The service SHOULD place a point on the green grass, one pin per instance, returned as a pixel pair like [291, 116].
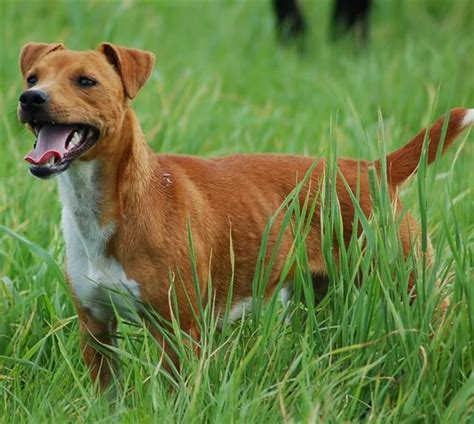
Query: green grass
[221, 85]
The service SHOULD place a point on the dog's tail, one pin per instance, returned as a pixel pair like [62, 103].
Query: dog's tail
[404, 162]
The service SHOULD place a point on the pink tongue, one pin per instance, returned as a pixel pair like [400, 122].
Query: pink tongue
[51, 142]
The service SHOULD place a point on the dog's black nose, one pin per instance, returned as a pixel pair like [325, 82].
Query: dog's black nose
[33, 99]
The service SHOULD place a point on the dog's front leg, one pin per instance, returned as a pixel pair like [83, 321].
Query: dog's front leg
[170, 358]
[95, 337]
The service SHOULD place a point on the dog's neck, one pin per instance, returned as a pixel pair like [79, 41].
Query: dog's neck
[106, 185]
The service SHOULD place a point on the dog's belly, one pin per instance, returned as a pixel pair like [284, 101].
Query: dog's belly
[244, 306]
[98, 281]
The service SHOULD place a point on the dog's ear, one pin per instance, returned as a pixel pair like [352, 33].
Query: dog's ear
[134, 66]
[31, 52]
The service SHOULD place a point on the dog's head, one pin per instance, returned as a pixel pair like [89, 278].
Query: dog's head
[75, 101]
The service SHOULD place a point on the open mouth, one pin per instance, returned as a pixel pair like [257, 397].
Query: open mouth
[57, 146]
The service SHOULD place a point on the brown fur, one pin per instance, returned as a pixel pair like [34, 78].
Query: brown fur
[152, 198]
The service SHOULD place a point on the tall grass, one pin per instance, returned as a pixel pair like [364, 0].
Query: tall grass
[367, 351]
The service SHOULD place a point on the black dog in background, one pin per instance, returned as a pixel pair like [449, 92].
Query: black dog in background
[347, 16]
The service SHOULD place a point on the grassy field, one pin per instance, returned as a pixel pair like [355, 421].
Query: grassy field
[222, 85]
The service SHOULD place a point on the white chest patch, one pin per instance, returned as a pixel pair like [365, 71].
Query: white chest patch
[99, 281]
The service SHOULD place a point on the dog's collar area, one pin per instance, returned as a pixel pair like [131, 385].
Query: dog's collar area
[58, 145]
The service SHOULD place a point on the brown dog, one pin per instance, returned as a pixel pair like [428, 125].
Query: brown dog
[127, 211]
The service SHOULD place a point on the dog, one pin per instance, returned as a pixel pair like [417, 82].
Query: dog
[127, 212]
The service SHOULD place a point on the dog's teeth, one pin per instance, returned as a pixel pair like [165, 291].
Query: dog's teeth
[76, 138]
[51, 161]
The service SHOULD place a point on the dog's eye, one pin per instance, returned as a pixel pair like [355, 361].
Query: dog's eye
[32, 80]
[86, 82]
